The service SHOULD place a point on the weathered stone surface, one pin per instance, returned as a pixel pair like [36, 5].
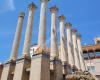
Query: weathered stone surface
[56, 70]
[17, 37]
[8, 69]
[75, 49]
[42, 25]
[28, 35]
[63, 52]
[54, 53]
[40, 67]
[81, 56]
[66, 68]
[80, 75]
[70, 45]
[20, 69]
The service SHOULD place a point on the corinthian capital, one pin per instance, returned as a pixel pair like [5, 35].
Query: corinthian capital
[68, 25]
[44, 0]
[54, 9]
[61, 18]
[32, 6]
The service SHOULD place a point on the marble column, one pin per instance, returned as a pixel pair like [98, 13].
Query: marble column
[28, 35]
[17, 37]
[54, 46]
[63, 52]
[55, 63]
[69, 45]
[81, 56]
[75, 48]
[42, 25]
[63, 48]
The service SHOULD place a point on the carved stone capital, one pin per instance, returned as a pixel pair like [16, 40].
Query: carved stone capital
[32, 6]
[68, 25]
[22, 14]
[79, 35]
[61, 18]
[44, 0]
[53, 9]
[74, 30]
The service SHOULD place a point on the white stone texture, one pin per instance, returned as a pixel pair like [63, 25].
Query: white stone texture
[75, 48]
[28, 35]
[63, 52]
[54, 46]
[70, 46]
[40, 67]
[81, 56]
[20, 73]
[17, 37]
[56, 66]
[42, 25]
[7, 70]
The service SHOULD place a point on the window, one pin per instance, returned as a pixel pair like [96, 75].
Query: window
[33, 50]
[98, 42]
[97, 53]
[91, 68]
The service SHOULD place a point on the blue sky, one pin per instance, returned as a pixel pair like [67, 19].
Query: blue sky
[83, 14]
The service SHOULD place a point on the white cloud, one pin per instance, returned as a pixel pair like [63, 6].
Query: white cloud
[6, 5]
[10, 4]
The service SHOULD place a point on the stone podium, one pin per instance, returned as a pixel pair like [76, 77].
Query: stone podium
[8, 70]
[40, 67]
[66, 68]
[56, 70]
[20, 70]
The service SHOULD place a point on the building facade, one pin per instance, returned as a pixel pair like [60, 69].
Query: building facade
[92, 57]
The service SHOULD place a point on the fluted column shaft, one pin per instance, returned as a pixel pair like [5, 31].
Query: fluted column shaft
[54, 47]
[63, 53]
[28, 35]
[75, 48]
[17, 37]
[81, 56]
[69, 45]
[42, 25]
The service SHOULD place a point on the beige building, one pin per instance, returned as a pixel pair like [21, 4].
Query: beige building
[92, 57]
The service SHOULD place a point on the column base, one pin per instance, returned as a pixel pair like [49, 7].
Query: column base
[20, 69]
[56, 70]
[74, 69]
[66, 68]
[40, 67]
[8, 70]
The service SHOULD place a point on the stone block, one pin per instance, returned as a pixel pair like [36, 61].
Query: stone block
[20, 69]
[66, 68]
[40, 67]
[8, 69]
[56, 70]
